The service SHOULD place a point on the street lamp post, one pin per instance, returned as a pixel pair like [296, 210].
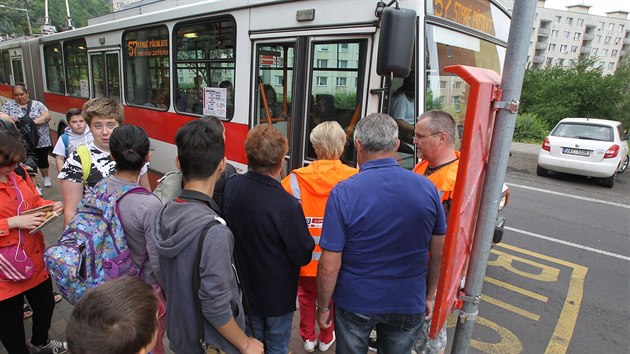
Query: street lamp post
[28, 19]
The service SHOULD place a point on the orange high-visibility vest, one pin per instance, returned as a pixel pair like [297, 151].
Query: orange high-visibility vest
[311, 185]
[444, 178]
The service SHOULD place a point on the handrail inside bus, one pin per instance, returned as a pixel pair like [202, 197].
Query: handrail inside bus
[263, 94]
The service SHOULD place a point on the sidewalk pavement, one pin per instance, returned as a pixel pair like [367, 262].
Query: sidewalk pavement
[529, 149]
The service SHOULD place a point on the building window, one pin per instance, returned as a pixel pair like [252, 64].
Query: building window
[343, 47]
[566, 35]
[580, 22]
[552, 47]
[322, 48]
[598, 39]
[554, 33]
[611, 26]
[560, 62]
[563, 48]
[611, 65]
[442, 84]
[605, 52]
[322, 81]
[621, 27]
[341, 81]
[457, 85]
[577, 36]
[569, 21]
[574, 49]
[594, 52]
[601, 64]
[321, 63]
[617, 40]
[607, 40]
[549, 60]
[278, 80]
[613, 53]
[343, 64]
[600, 26]
[557, 19]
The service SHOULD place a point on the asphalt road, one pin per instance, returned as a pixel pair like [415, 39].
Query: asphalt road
[560, 281]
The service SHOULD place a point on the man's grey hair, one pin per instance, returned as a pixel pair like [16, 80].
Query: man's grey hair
[377, 132]
[441, 121]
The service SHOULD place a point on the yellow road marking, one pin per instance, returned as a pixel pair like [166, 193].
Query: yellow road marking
[516, 289]
[509, 307]
[561, 337]
[505, 260]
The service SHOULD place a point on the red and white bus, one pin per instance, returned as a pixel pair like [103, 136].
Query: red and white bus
[288, 63]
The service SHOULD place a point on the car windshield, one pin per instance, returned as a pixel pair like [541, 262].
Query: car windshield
[584, 131]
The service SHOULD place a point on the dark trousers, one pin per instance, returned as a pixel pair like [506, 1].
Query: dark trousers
[12, 334]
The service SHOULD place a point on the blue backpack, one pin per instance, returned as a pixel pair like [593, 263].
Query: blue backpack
[93, 247]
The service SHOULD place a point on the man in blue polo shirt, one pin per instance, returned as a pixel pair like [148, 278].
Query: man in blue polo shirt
[379, 227]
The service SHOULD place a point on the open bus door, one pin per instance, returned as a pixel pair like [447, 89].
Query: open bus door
[476, 140]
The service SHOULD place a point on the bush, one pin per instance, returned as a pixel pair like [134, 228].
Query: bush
[530, 128]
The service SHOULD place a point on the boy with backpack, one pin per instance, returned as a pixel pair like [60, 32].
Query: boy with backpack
[195, 254]
[75, 135]
[87, 165]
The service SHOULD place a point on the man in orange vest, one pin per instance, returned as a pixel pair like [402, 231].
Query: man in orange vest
[435, 137]
[311, 185]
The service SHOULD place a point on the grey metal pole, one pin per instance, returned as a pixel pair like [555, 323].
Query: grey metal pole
[511, 84]
[28, 20]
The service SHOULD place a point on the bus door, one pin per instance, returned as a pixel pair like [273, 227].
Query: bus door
[105, 73]
[304, 81]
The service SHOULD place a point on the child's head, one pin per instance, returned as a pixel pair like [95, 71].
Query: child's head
[76, 121]
[117, 317]
[200, 149]
[129, 146]
[103, 115]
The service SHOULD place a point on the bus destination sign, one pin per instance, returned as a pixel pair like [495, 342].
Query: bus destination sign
[148, 48]
[470, 13]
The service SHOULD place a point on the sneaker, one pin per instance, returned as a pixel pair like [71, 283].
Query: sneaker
[309, 345]
[47, 182]
[372, 341]
[53, 347]
[325, 346]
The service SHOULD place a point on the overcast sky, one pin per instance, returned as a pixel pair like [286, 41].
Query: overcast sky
[598, 7]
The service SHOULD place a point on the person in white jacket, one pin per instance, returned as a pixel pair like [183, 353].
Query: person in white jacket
[77, 134]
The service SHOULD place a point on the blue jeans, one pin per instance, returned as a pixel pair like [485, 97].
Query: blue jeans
[273, 332]
[396, 332]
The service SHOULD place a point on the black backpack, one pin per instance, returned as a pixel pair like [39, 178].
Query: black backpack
[27, 128]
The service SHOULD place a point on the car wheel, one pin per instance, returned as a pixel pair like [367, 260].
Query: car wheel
[541, 171]
[624, 165]
[610, 181]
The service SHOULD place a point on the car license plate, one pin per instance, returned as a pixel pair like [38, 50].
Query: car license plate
[578, 152]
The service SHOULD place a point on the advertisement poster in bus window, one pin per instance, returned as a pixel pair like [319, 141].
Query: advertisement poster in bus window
[215, 102]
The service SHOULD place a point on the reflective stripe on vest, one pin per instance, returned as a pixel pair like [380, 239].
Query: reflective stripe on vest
[295, 187]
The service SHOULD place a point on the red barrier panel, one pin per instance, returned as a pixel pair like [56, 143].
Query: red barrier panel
[476, 140]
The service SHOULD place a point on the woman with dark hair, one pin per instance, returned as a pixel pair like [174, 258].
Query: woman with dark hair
[18, 195]
[25, 113]
[130, 148]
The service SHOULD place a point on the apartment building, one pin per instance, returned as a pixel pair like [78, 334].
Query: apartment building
[560, 37]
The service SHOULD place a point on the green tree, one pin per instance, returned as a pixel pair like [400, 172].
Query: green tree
[622, 81]
[554, 92]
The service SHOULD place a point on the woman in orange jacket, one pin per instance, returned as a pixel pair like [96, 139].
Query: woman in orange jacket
[311, 185]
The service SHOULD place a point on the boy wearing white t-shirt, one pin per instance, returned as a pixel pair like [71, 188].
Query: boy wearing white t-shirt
[77, 134]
